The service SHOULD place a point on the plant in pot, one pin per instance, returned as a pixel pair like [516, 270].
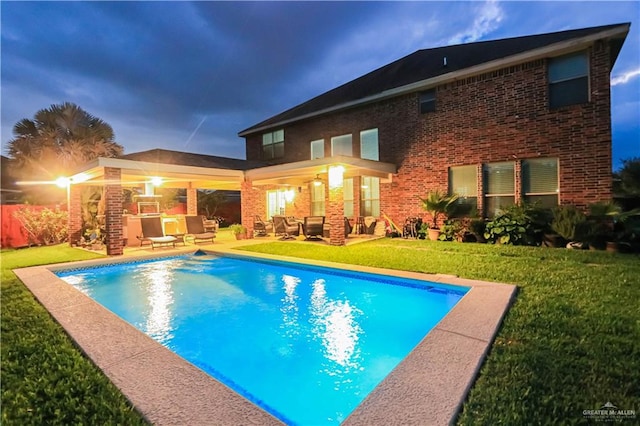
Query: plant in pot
[568, 222]
[240, 231]
[437, 204]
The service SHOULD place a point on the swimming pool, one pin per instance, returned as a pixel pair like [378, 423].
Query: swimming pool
[305, 343]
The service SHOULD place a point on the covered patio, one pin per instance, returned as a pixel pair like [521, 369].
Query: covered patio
[172, 169]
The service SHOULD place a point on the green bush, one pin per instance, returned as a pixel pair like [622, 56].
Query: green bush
[568, 221]
[518, 225]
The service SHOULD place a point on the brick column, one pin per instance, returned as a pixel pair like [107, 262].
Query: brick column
[192, 200]
[113, 211]
[248, 205]
[357, 195]
[335, 213]
[74, 207]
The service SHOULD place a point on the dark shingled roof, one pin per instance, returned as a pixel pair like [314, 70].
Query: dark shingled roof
[179, 158]
[425, 64]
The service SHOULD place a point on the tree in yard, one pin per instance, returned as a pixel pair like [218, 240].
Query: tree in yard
[58, 140]
[210, 201]
[628, 177]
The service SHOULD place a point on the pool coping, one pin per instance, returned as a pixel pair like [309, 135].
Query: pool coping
[427, 387]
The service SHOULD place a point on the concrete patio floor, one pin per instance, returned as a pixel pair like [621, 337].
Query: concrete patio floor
[426, 388]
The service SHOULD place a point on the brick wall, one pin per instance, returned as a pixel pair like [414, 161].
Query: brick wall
[497, 116]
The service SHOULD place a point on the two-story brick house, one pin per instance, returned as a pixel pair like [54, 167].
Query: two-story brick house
[498, 122]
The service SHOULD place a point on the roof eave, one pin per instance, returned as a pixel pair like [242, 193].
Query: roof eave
[554, 49]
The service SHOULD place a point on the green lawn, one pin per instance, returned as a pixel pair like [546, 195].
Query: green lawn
[571, 341]
[45, 379]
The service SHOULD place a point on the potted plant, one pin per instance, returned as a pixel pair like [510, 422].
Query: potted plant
[437, 204]
[240, 231]
[568, 222]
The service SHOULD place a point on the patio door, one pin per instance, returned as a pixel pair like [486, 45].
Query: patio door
[275, 203]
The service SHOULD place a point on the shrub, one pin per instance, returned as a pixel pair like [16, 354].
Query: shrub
[44, 226]
[567, 222]
[518, 225]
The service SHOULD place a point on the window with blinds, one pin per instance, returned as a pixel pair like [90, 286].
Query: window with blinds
[341, 145]
[369, 145]
[317, 149]
[568, 80]
[463, 181]
[499, 186]
[540, 181]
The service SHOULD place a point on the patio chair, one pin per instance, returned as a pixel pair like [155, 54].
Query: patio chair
[283, 227]
[196, 231]
[153, 233]
[347, 227]
[313, 227]
[260, 228]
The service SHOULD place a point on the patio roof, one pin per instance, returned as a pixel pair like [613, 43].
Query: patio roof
[173, 175]
[134, 172]
[302, 172]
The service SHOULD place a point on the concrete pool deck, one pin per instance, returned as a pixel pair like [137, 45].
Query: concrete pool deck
[427, 388]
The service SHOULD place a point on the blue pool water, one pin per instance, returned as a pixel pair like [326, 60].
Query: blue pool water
[305, 343]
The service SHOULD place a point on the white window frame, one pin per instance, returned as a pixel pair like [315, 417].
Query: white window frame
[317, 149]
[367, 138]
[342, 139]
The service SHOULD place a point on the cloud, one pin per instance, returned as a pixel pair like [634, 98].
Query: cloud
[490, 14]
[625, 77]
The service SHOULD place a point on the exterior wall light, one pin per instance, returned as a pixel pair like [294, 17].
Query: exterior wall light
[63, 182]
[289, 194]
[336, 176]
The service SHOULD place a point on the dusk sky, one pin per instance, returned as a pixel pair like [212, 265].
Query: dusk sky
[189, 76]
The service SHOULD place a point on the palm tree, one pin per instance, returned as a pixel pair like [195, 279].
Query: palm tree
[59, 139]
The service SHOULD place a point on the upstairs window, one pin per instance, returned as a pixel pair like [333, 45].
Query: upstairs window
[317, 149]
[540, 181]
[568, 80]
[369, 145]
[499, 187]
[463, 181]
[428, 101]
[273, 145]
[341, 145]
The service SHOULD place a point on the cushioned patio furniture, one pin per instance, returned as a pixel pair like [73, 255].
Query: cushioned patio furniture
[313, 227]
[196, 231]
[260, 227]
[283, 227]
[347, 227]
[153, 233]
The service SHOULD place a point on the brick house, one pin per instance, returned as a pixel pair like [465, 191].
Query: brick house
[498, 122]
[525, 119]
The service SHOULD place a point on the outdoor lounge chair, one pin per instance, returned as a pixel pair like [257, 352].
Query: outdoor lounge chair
[196, 231]
[283, 227]
[153, 233]
[347, 227]
[260, 228]
[313, 227]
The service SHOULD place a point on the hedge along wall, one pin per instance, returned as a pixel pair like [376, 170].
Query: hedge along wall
[13, 234]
